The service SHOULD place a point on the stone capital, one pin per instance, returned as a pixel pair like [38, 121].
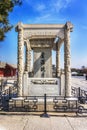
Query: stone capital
[69, 26]
[19, 27]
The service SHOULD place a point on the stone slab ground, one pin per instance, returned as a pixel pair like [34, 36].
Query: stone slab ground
[32, 122]
[79, 81]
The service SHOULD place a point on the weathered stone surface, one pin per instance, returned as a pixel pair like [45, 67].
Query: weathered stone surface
[43, 30]
[50, 86]
[47, 60]
[31, 122]
[67, 57]
[28, 58]
[62, 84]
[20, 59]
[57, 60]
[40, 90]
[42, 43]
[44, 35]
[25, 84]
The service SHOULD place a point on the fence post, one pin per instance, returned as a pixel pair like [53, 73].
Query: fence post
[79, 95]
[9, 93]
[45, 107]
[79, 92]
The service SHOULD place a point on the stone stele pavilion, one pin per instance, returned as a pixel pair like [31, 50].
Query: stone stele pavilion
[42, 38]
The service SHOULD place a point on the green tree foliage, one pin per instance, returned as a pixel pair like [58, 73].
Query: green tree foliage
[6, 6]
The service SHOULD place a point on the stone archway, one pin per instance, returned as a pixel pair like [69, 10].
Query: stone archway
[36, 33]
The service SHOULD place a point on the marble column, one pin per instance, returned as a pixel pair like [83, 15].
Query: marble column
[20, 59]
[57, 60]
[67, 60]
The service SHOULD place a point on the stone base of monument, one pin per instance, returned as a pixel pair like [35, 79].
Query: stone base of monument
[40, 86]
[39, 105]
[21, 104]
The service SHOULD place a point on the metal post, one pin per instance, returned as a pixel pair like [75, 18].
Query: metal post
[45, 108]
[9, 93]
[79, 96]
[79, 92]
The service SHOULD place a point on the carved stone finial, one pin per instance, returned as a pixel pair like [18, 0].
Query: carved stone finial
[68, 26]
[19, 26]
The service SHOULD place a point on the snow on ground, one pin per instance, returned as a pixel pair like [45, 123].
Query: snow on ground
[79, 81]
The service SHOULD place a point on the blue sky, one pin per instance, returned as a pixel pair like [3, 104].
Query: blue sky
[50, 11]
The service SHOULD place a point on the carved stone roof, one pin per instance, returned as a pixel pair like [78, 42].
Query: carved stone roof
[43, 31]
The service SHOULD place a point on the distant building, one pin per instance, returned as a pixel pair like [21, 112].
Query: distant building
[74, 73]
[7, 70]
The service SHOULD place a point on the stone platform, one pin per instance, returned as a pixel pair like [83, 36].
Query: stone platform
[40, 104]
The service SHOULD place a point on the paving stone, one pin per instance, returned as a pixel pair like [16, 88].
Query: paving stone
[31, 122]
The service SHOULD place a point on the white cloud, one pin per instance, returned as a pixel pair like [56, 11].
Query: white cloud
[40, 19]
[40, 7]
[36, 5]
[60, 4]
[46, 18]
[43, 17]
[49, 6]
[48, 11]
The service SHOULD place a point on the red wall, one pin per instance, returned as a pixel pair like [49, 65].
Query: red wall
[1, 72]
[8, 71]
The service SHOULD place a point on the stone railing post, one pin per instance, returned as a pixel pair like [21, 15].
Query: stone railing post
[20, 66]
[67, 59]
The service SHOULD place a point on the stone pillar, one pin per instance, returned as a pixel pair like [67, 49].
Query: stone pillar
[57, 60]
[67, 59]
[20, 59]
[25, 84]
